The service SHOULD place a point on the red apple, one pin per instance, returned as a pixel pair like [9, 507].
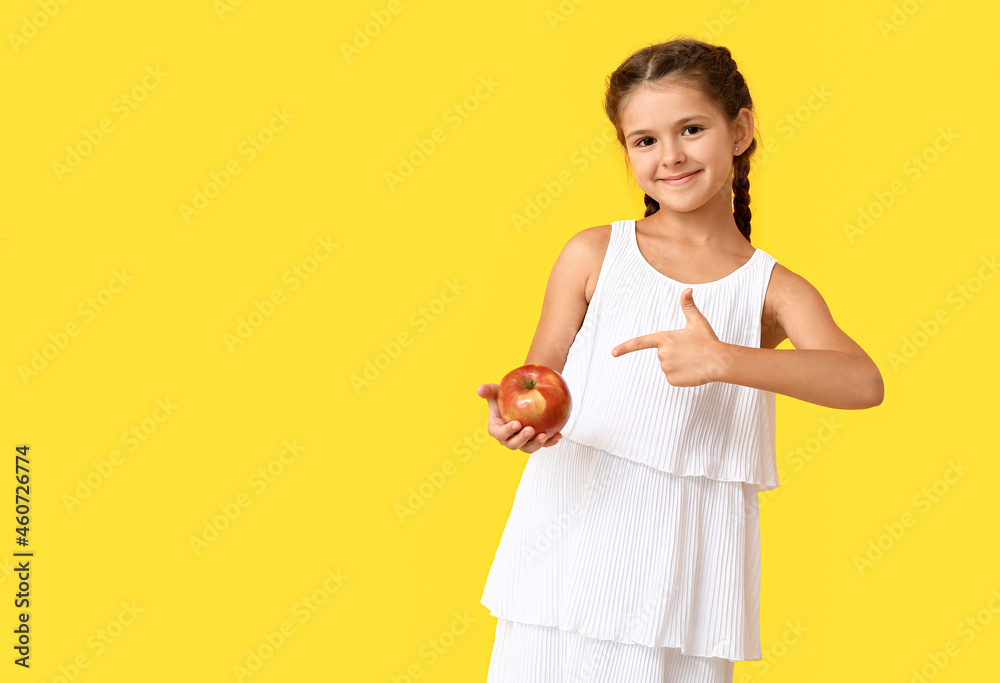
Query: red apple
[537, 396]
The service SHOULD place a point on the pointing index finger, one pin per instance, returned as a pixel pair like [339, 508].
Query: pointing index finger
[646, 341]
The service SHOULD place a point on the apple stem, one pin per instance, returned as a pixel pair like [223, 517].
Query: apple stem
[530, 384]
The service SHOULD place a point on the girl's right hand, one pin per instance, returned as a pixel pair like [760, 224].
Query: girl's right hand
[510, 434]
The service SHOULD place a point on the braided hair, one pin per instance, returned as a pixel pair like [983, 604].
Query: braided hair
[712, 69]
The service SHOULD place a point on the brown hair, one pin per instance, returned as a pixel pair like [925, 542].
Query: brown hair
[711, 69]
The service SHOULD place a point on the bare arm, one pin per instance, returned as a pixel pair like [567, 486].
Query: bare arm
[563, 310]
[826, 367]
[565, 303]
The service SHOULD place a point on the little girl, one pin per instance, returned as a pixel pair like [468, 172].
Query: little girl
[632, 550]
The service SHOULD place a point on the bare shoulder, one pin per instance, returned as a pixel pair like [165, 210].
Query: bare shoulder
[795, 310]
[786, 284]
[590, 242]
[567, 296]
[586, 249]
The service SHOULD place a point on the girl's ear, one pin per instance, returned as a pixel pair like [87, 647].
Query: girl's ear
[744, 128]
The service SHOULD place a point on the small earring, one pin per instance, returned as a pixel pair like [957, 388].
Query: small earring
[737, 149]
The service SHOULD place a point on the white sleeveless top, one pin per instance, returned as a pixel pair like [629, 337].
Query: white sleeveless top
[603, 540]
[626, 406]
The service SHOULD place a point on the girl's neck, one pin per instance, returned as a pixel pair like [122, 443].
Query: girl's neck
[710, 225]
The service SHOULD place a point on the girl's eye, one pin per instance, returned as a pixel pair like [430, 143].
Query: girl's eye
[639, 142]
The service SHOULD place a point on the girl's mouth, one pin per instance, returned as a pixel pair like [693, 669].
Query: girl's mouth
[681, 179]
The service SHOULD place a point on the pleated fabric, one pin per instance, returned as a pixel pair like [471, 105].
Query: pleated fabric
[614, 550]
[626, 406]
[632, 549]
[528, 653]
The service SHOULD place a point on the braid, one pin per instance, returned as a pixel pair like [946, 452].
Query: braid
[741, 190]
[652, 206]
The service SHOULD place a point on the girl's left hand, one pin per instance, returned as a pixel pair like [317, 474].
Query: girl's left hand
[690, 356]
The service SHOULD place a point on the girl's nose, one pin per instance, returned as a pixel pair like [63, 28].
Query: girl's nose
[671, 155]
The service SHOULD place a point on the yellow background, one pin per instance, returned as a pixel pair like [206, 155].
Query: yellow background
[381, 296]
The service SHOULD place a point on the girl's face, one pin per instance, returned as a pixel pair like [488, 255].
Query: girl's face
[674, 130]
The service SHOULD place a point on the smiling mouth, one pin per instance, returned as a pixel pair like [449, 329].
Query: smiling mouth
[680, 180]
